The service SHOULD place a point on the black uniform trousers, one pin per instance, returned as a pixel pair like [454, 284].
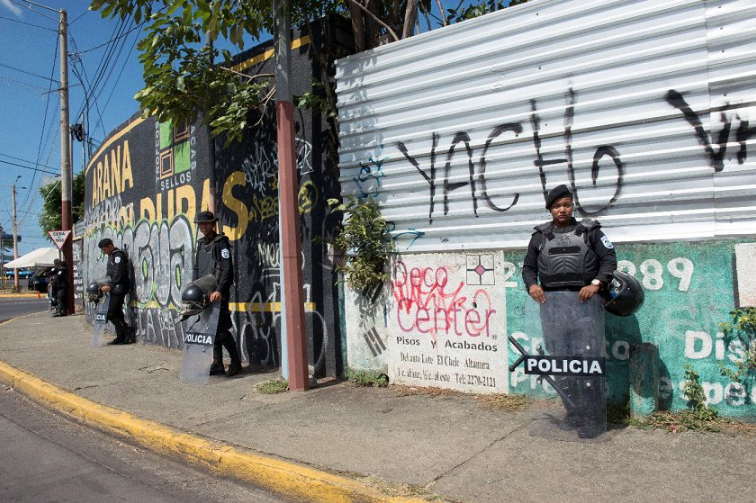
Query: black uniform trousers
[115, 311]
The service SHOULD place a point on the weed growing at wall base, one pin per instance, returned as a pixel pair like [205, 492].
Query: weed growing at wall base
[741, 331]
[367, 378]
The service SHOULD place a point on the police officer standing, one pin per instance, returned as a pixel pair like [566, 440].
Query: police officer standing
[214, 257]
[575, 261]
[59, 286]
[118, 271]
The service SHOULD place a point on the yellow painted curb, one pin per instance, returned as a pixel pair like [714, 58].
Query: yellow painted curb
[287, 479]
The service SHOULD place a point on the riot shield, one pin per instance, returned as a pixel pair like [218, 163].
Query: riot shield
[572, 361]
[198, 345]
[100, 321]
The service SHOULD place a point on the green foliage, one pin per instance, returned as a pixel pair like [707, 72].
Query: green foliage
[741, 329]
[364, 233]
[365, 378]
[50, 218]
[482, 7]
[316, 100]
[273, 387]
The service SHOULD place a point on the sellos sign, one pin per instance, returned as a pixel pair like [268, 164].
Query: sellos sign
[565, 366]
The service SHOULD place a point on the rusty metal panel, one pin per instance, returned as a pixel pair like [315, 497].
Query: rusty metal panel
[641, 107]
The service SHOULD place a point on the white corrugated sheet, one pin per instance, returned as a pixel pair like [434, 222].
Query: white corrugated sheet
[643, 107]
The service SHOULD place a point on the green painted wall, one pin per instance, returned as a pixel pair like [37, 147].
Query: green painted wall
[689, 290]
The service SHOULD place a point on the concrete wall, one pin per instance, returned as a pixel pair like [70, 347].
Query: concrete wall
[643, 108]
[148, 181]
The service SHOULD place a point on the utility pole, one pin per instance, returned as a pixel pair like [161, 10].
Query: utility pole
[65, 155]
[15, 234]
[290, 228]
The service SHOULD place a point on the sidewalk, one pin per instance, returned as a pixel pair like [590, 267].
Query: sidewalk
[342, 443]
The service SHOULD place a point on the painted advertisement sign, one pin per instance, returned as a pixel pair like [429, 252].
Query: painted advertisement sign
[447, 322]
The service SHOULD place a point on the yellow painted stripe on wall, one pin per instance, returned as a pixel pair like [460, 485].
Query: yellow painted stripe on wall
[111, 140]
[295, 44]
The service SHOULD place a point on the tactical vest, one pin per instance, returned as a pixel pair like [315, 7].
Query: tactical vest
[207, 263]
[566, 260]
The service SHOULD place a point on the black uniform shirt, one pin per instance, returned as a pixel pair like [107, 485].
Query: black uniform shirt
[118, 268]
[597, 241]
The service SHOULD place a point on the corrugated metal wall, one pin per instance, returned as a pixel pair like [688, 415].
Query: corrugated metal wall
[643, 107]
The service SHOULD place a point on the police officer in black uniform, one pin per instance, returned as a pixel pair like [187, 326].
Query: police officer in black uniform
[59, 285]
[118, 271]
[570, 256]
[214, 257]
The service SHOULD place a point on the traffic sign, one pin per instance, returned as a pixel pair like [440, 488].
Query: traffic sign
[59, 237]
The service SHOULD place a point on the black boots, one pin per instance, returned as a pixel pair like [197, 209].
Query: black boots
[225, 340]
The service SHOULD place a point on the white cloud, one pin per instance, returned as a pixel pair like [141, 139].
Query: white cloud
[15, 9]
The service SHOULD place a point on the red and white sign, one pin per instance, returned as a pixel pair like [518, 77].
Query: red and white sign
[59, 237]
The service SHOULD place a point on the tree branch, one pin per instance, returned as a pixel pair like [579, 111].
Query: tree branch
[250, 77]
[443, 14]
[375, 18]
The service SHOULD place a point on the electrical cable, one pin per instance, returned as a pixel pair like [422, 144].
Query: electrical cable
[28, 24]
[28, 73]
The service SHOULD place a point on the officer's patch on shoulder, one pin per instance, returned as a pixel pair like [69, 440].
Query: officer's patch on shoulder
[225, 253]
[117, 260]
[608, 244]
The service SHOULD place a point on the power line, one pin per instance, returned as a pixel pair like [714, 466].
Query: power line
[27, 167]
[24, 160]
[28, 73]
[25, 85]
[44, 121]
[84, 51]
[27, 5]
[30, 24]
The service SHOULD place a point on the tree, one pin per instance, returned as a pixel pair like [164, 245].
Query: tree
[50, 218]
[7, 244]
[185, 74]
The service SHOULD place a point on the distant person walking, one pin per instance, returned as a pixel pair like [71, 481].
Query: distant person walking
[120, 285]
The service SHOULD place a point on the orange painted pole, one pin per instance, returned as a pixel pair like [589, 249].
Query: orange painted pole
[291, 239]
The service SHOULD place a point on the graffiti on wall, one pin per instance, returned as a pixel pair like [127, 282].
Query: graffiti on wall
[447, 324]
[437, 172]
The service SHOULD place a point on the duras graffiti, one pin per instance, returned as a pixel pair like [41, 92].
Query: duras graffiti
[446, 329]
[437, 170]
[162, 258]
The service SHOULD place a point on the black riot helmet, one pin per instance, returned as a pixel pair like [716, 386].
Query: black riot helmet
[93, 292]
[194, 300]
[626, 295]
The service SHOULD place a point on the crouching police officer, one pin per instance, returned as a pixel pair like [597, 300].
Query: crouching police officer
[573, 262]
[118, 271]
[214, 257]
[59, 286]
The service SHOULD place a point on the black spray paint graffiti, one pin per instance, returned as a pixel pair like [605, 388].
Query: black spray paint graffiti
[374, 342]
[716, 157]
[477, 180]
[461, 142]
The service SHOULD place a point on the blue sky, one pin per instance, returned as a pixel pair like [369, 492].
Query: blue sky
[30, 113]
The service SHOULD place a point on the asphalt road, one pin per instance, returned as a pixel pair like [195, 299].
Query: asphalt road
[45, 457]
[11, 307]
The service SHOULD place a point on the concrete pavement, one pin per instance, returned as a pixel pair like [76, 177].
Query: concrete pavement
[342, 443]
